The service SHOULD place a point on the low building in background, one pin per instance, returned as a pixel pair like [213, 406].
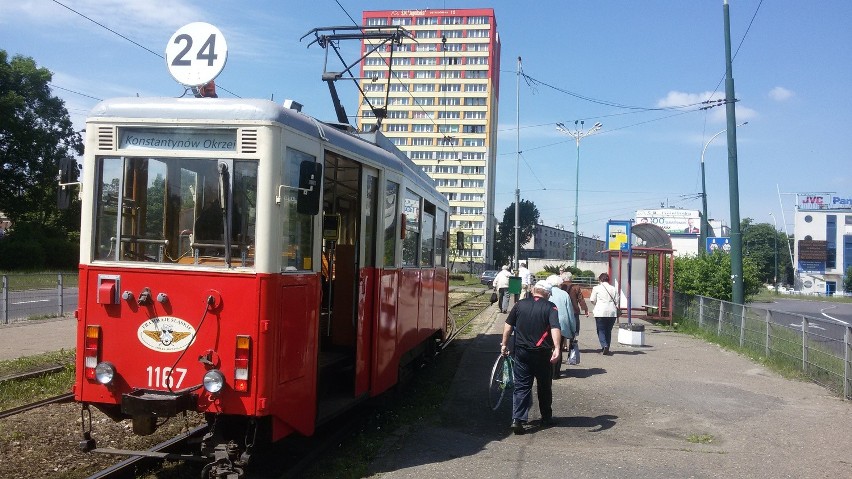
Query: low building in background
[557, 243]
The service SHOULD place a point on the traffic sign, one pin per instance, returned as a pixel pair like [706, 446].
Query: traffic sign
[196, 54]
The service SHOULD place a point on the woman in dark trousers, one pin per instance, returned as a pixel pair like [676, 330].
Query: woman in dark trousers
[604, 298]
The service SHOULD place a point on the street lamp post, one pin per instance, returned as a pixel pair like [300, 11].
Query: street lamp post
[577, 134]
[775, 237]
[702, 241]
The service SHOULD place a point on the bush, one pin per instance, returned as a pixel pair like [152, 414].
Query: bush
[21, 255]
[32, 247]
[457, 277]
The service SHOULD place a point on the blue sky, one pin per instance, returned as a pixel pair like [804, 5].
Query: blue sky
[792, 74]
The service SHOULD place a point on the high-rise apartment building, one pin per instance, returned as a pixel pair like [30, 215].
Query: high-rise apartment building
[442, 95]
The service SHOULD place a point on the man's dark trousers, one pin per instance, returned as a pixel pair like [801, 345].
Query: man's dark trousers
[532, 364]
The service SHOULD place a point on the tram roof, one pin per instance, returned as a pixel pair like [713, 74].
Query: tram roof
[370, 145]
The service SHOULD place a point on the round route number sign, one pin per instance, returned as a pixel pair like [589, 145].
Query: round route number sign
[196, 54]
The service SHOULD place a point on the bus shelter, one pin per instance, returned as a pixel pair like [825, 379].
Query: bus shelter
[644, 273]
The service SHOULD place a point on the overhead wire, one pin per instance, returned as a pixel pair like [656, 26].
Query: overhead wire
[218, 86]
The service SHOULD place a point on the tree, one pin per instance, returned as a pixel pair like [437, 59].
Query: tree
[759, 244]
[504, 242]
[36, 136]
[847, 280]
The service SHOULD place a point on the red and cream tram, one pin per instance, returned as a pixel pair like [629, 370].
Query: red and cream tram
[242, 259]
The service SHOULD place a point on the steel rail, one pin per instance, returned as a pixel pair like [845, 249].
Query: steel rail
[37, 404]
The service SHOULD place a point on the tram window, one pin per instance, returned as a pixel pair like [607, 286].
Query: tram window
[427, 235]
[170, 210]
[411, 243]
[440, 238]
[390, 214]
[370, 234]
[297, 229]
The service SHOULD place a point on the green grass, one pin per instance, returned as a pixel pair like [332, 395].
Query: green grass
[700, 438]
[22, 280]
[469, 280]
[18, 392]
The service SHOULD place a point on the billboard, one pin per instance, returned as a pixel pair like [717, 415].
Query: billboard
[822, 201]
[672, 221]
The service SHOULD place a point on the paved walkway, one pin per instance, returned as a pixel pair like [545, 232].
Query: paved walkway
[27, 338]
[678, 407]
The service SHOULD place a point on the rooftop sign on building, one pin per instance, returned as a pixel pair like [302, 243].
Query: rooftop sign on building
[822, 201]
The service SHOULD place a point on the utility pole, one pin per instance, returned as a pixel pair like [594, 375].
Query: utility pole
[737, 293]
[518, 167]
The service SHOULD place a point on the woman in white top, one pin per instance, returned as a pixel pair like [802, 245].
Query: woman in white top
[604, 297]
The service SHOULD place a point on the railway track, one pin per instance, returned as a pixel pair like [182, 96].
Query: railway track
[68, 397]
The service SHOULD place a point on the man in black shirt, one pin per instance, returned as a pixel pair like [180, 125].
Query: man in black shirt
[535, 321]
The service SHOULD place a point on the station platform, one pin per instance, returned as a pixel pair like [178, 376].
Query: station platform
[677, 407]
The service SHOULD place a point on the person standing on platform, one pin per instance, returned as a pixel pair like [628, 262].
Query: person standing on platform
[567, 324]
[501, 284]
[535, 321]
[605, 311]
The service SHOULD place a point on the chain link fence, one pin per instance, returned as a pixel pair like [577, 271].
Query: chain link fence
[819, 349]
[37, 296]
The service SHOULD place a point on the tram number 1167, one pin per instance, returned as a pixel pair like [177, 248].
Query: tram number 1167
[165, 377]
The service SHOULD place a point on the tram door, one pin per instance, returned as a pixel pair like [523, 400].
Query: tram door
[344, 191]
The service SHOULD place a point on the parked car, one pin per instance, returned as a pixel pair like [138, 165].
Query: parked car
[487, 277]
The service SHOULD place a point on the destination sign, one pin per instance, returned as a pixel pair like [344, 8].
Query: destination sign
[172, 139]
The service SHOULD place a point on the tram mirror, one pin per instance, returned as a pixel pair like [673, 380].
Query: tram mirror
[310, 173]
[330, 227]
[67, 177]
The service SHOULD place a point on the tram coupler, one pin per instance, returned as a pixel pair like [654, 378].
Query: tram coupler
[87, 444]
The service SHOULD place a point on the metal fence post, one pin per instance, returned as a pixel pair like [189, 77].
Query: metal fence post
[805, 344]
[59, 293]
[847, 340]
[742, 325]
[721, 317]
[768, 336]
[5, 299]
[701, 311]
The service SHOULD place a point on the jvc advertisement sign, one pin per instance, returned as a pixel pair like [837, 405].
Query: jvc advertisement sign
[823, 201]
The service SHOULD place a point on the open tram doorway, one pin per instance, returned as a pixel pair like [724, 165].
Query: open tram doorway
[348, 246]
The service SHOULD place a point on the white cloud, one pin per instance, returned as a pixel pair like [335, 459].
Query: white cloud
[676, 99]
[780, 94]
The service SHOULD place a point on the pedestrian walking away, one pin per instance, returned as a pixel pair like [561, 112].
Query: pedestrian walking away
[526, 280]
[535, 321]
[567, 323]
[605, 311]
[575, 292]
[501, 285]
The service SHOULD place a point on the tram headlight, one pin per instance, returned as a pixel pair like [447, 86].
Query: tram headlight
[214, 381]
[105, 372]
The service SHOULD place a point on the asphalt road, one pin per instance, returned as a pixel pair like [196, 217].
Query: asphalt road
[838, 312]
[40, 303]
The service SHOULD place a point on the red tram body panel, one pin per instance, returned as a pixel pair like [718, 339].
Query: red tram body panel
[318, 276]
